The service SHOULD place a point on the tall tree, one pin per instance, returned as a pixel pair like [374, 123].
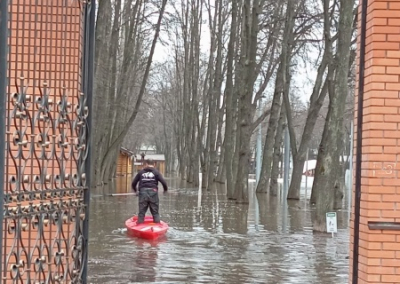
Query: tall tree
[230, 102]
[124, 43]
[277, 154]
[248, 71]
[215, 98]
[280, 85]
[328, 171]
[317, 98]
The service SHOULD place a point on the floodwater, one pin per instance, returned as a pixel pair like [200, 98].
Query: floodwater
[214, 240]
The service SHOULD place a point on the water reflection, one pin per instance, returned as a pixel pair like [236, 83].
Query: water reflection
[213, 240]
[145, 262]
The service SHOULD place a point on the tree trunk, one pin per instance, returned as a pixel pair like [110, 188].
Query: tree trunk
[115, 144]
[317, 98]
[112, 77]
[229, 94]
[328, 172]
[221, 175]
[281, 83]
[247, 64]
[103, 32]
[274, 186]
[263, 184]
[216, 90]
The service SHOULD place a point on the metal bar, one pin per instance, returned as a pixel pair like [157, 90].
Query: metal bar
[357, 203]
[286, 164]
[350, 186]
[3, 96]
[392, 226]
[122, 194]
[286, 178]
[308, 150]
[88, 85]
[259, 149]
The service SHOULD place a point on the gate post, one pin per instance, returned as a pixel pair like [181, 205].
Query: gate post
[3, 95]
[88, 76]
[375, 223]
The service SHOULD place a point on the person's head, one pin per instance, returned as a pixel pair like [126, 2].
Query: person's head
[149, 163]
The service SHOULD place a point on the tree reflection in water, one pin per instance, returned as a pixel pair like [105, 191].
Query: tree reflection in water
[214, 240]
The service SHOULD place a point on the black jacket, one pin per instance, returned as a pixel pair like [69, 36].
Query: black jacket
[148, 178]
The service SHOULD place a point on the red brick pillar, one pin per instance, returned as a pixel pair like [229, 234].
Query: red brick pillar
[379, 249]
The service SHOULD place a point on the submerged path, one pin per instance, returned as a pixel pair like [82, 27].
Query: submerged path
[212, 240]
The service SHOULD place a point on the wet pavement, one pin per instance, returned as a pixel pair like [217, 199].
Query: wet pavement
[214, 240]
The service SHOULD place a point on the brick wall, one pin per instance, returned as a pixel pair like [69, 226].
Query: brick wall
[379, 250]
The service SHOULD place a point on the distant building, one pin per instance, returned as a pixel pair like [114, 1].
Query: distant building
[124, 162]
[159, 160]
[147, 149]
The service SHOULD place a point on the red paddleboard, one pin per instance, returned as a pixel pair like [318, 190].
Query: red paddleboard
[147, 230]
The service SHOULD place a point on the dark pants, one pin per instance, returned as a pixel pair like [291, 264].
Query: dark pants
[148, 197]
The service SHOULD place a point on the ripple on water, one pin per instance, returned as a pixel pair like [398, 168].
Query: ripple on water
[213, 243]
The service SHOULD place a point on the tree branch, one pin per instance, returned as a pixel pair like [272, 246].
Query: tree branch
[122, 134]
[260, 119]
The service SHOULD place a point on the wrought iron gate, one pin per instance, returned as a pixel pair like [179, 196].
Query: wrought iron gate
[46, 71]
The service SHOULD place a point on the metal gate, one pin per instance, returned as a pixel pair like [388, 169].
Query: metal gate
[46, 73]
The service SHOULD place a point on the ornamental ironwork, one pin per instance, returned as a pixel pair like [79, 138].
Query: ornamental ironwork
[46, 93]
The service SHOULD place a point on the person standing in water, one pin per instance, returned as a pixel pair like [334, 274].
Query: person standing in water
[148, 179]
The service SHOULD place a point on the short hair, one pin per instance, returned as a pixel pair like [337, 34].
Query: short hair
[149, 162]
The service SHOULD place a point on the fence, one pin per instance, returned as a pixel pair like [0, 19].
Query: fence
[46, 70]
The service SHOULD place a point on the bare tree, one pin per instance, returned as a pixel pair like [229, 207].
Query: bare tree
[277, 154]
[281, 83]
[316, 101]
[124, 45]
[327, 183]
[230, 101]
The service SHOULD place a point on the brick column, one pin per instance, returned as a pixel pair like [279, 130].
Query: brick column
[379, 250]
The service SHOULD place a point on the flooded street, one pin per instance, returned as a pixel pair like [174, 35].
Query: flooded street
[213, 240]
